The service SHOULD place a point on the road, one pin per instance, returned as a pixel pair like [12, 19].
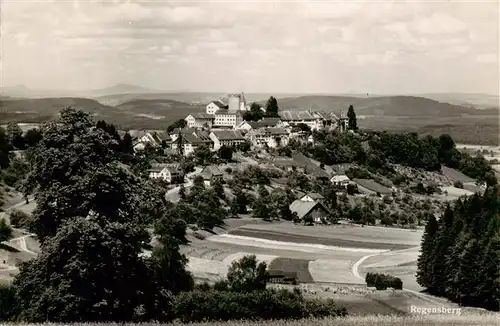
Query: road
[426, 297]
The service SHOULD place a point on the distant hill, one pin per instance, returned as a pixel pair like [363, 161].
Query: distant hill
[478, 101]
[120, 89]
[160, 109]
[187, 97]
[408, 106]
[136, 114]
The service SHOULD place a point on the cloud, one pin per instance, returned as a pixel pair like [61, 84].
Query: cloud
[257, 45]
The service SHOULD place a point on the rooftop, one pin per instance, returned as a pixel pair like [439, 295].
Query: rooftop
[201, 115]
[209, 171]
[228, 134]
[219, 104]
[302, 208]
[296, 115]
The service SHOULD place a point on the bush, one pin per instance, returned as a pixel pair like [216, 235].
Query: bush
[458, 184]
[268, 304]
[352, 189]
[19, 219]
[9, 178]
[383, 281]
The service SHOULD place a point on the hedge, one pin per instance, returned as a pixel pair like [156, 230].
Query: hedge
[383, 281]
[267, 304]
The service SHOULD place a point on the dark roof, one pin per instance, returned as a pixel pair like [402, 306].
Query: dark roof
[265, 122]
[192, 139]
[271, 121]
[202, 134]
[277, 131]
[203, 116]
[209, 171]
[164, 136]
[228, 135]
[219, 104]
[373, 186]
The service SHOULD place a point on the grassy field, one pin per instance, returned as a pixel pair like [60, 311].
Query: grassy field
[415, 320]
[361, 237]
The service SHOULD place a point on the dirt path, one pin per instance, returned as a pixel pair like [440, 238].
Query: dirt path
[426, 297]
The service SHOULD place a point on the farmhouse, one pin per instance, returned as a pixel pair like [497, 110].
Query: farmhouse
[211, 174]
[340, 180]
[314, 209]
[200, 120]
[214, 106]
[171, 173]
[226, 138]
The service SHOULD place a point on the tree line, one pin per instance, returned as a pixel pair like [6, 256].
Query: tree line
[460, 253]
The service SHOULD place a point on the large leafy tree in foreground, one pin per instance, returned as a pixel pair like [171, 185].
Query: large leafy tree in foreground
[90, 217]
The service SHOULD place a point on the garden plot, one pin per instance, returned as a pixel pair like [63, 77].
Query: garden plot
[377, 238]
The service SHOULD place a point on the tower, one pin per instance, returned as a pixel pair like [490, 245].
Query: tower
[233, 102]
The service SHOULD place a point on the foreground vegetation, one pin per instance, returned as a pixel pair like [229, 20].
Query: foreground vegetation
[414, 320]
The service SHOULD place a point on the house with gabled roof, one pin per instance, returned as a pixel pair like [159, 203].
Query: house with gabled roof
[171, 173]
[211, 174]
[200, 120]
[229, 138]
[315, 209]
[213, 106]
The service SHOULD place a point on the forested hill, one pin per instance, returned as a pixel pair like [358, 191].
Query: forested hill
[409, 106]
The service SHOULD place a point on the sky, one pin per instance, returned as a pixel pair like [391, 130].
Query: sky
[253, 46]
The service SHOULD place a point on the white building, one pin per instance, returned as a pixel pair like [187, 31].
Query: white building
[226, 138]
[171, 173]
[340, 180]
[200, 120]
[213, 106]
[224, 118]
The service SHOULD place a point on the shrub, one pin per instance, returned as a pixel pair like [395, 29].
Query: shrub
[383, 281]
[256, 305]
[19, 219]
[352, 189]
[9, 178]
